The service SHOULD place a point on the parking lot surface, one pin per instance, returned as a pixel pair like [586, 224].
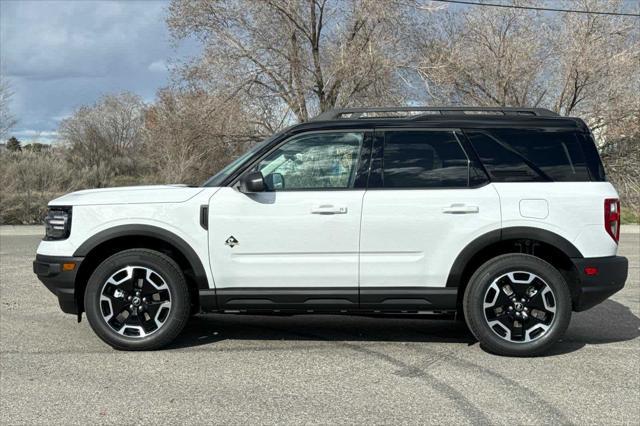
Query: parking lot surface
[229, 369]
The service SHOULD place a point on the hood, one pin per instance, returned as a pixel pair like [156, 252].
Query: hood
[128, 195]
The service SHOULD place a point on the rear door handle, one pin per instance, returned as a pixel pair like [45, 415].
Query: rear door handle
[328, 209]
[460, 209]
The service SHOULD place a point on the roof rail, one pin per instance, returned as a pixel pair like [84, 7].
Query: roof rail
[415, 113]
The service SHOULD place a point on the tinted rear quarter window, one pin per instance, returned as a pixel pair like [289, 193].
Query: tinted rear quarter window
[531, 155]
[592, 157]
[424, 159]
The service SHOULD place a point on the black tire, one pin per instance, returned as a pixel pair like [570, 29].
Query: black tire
[479, 289]
[168, 270]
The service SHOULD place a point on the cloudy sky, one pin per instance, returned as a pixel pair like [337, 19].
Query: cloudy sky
[58, 55]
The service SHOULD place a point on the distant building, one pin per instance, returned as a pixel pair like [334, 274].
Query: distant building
[3, 147]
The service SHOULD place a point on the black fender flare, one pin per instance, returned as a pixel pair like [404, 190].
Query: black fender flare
[504, 234]
[148, 231]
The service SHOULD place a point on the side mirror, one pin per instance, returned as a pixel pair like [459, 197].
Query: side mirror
[252, 182]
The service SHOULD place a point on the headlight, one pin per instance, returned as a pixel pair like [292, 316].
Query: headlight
[57, 223]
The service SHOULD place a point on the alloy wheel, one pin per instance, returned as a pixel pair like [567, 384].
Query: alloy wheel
[135, 301]
[519, 307]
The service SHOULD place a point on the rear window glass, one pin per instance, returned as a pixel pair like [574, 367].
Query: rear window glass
[531, 155]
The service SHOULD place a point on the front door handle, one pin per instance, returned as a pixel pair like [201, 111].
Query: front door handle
[328, 209]
[460, 209]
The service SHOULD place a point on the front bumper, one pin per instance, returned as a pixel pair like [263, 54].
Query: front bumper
[60, 282]
[593, 289]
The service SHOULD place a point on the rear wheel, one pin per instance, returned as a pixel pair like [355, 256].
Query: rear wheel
[137, 299]
[517, 305]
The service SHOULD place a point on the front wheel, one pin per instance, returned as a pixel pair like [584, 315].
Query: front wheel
[517, 305]
[137, 299]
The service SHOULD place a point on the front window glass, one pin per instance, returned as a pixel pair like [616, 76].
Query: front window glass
[313, 161]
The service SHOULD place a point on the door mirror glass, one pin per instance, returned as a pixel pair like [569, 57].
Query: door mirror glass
[252, 182]
[274, 181]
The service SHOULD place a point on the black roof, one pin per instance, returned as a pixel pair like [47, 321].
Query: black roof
[443, 117]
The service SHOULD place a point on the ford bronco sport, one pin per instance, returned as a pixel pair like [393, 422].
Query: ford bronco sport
[502, 216]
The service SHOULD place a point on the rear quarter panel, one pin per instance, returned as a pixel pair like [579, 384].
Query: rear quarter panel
[575, 211]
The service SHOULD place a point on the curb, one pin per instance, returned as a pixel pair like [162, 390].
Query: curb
[17, 230]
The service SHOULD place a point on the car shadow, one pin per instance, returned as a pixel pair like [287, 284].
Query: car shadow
[609, 322]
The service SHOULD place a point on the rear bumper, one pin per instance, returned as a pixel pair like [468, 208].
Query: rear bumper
[594, 289]
[60, 282]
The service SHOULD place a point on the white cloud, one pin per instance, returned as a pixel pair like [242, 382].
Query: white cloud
[158, 66]
[32, 135]
[62, 116]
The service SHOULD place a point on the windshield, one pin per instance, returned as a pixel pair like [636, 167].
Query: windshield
[218, 178]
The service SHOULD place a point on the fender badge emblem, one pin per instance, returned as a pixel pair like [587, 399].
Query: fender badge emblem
[231, 242]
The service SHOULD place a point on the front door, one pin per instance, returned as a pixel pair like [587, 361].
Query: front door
[294, 246]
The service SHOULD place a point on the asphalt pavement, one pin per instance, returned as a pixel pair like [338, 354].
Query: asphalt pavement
[228, 369]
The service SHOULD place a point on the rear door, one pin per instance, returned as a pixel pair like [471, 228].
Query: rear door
[427, 199]
[294, 246]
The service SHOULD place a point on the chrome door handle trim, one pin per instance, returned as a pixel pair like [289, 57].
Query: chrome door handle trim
[460, 209]
[328, 209]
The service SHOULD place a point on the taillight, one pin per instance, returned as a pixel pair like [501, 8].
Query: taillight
[612, 218]
[591, 271]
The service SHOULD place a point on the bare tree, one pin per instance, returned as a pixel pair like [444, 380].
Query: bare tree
[571, 63]
[103, 138]
[597, 63]
[190, 135]
[486, 57]
[7, 120]
[310, 55]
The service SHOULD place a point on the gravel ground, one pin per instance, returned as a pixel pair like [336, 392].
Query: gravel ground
[309, 369]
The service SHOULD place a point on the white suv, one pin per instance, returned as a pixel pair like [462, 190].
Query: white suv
[502, 216]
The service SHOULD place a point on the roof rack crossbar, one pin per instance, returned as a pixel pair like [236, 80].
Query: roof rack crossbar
[415, 112]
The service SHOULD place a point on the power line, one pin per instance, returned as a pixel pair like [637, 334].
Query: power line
[548, 9]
